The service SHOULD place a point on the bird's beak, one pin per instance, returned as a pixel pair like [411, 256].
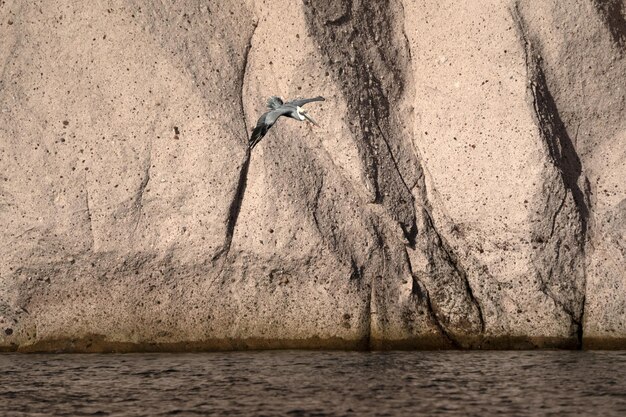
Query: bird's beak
[310, 119]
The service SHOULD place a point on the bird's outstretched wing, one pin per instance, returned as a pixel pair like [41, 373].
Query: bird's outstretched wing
[274, 102]
[303, 101]
[266, 121]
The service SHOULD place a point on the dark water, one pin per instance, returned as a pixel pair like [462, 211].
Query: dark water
[303, 383]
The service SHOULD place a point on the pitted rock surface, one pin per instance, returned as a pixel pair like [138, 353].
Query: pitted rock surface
[465, 188]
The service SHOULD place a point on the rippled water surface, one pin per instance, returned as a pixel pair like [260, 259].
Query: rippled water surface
[303, 383]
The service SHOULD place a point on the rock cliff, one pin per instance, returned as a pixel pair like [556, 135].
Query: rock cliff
[465, 189]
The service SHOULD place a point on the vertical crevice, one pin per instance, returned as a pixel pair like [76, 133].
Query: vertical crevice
[242, 80]
[565, 275]
[581, 323]
[421, 296]
[138, 198]
[450, 275]
[410, 230]
[369, 314]
[375, 310]
[444, 332]
[235, 205]
[88, 210]
[316, 205]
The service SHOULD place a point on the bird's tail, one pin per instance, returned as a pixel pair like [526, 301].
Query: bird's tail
[274, 102]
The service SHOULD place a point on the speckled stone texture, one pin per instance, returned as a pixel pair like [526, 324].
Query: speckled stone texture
[465, 188]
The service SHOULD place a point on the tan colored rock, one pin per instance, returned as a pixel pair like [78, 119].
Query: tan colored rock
[586, 77]
[465, 188]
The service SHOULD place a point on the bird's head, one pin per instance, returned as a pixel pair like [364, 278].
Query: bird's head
[302, 114]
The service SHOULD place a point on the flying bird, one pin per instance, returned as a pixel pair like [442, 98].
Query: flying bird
[279, 108]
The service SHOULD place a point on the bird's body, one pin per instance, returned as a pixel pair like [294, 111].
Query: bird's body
[292, 109]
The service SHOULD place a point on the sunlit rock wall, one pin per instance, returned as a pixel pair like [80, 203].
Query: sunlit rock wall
[465, 188]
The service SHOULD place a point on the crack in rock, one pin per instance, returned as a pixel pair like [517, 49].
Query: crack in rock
[242, 80]
[418, 291]
[449, 275]
[561, 250]
[369, 78]
[138, 198]
[235, 205]
[89, 219]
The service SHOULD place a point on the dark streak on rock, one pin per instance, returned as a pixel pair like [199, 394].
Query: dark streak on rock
[242, 79]
[235, 205]
[410, 231]
[316, 205]
[342, 40]
[613, 14]
[88, 210]
[418, 291]
[556, 214]
[441, 251]
[563, 156]
[444, 332]
[356, 270]
[138, 198]
[372, 75]
[560, 146]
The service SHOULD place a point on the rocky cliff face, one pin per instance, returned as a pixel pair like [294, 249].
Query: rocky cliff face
[466, 188]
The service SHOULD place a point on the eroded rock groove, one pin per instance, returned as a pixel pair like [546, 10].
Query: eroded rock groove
[560, 262]
[235, 205]
[339, 29]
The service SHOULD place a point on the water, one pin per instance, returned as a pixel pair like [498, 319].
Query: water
[304, 383]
